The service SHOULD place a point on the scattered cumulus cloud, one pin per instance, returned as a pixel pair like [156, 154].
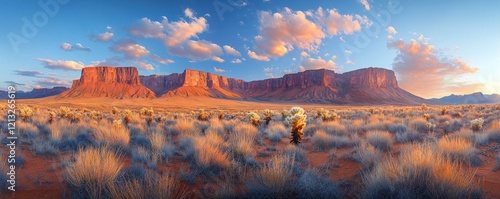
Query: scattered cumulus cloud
[218, 59]
[144, 65]
[61, 64]
[304, 54]
[313, 64]
[230, 50]
[130, 49]
[52, 81]
[427, 72]
[103, 37]
[78, 46]
[253, 55]
[365, 4]
[28, 73]
[391, 30]
[236, 61]
[219, 70]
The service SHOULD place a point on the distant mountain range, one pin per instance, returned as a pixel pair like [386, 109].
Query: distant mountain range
[36, 93]
[364, 86]
[474, 98]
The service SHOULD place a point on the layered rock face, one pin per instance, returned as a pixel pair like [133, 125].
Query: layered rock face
[106, 81]
[371, 85]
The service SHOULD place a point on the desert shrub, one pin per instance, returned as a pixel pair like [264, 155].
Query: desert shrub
[479, 139]
[64, 111]
[93, 173]
[127, 116]
[4, 168]
[202, 115]
[44, 147]
[115, 134]
[452, 126]
[26, 113]
[205, 154]
[273, 179]
[297, 120]
[424, 107]
[419, 124]
[409, 136]
[459, 149]
[253, 118]
[297, 152]
[275, 132]
[397, 128]
[241, 141]
[477, 124]
[419, 172]
[140, 140]
[367, 155]
[27, 130]
[185, 127]
[114, 110]
[323, 141]
[444, 111]
[246, 128]
[268, 115]
[313, 185]
[379, 139]
[140, 154]
[153, 185]
[147, 112]
[334, 128]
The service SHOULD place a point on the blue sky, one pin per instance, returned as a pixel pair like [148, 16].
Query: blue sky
[436, 48]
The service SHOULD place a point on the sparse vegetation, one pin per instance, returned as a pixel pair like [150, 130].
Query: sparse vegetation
[297, 120]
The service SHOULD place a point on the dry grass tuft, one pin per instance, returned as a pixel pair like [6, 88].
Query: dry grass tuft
[380, 139]
[93, 173]
[420, 172]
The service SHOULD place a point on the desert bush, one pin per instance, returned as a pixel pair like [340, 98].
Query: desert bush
[273, 179]
[452, 126]
[115, 134]
[323, 141]
[297, 120]
[397, 128]
[253, 118]
[459, 149]
[241, 141]
[147, 112]
[52, 116]
[93, 173]
[44, 147]
[419, 172]
[444, 111]
[127, 116]
[246, 128]
[328, 116]
[424, 107]
[27, 130]
[64, 111]
[427, 116]
[409, 136]
[477, 124]
[186, 127]
[275, 132]
[4, 168]
[334, 128]
[153, 185]
[202, 115]
[140, 154]
[114, 110]
[367, 155]
[26, 113]
[313, 185]
[205, 154]
[268, 115]
[430, 127]
[379, 139]
[479, 139]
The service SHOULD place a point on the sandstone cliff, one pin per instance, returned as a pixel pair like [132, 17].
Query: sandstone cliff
[368, 86]
[105, 81]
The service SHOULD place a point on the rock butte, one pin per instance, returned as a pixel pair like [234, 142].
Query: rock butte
[106, 81]
[363, 86]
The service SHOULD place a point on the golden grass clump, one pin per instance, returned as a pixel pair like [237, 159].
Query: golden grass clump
[152, 186]
[241, 141]
[207, 154]
[202, 115]
[26, 113]
[94, 172]
[115, 134]
[275, 176]
[420, 172]
[380, 139]
[459, 149]
[147, 112]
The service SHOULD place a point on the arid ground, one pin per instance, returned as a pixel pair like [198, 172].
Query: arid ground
[213, 148]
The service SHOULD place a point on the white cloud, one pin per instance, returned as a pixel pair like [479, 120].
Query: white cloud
[336, 23]
[230, 50]
[391, 30]
[51, 81]
[218, 59]
[349, 62]
[61, 64]
[304, 54]
[177, 36]
[68, 47]
[365, 4]
[427, 72]
[253, 55]
[28, 73]
[103, 37]
[130, 49]
[236, 61]
[144, 65]
[283, 31]
[218, 70]
[313, 64]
